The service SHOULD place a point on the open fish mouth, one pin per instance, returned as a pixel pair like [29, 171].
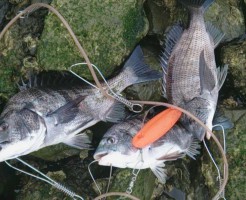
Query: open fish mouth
[99, 156]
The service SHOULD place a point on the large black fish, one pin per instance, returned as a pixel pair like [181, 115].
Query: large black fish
[38, 117]
[191, 78]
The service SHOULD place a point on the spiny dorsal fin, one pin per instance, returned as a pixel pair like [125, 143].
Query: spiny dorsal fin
[215, 33]
[173, 35]
[207, 80]
[221, 75]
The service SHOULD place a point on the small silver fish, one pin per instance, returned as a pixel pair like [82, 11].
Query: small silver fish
[116, 148]
[38, 117]
[191, 79]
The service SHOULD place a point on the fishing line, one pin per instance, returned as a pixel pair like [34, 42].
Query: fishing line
[84, 55]
[137, 108]
[45, 179]
[93, 176]
[110, 176]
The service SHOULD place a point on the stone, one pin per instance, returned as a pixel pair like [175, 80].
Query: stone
[235, 152]
[107, 30]
[233, 54]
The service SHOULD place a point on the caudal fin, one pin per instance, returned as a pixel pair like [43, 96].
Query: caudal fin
[204, 4]
[137, 70]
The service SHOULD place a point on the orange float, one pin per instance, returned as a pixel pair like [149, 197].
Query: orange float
[156, 127]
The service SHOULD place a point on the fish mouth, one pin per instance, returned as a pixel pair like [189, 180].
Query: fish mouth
[99, 156]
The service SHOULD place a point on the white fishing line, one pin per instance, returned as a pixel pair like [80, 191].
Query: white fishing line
[109, 179]
[93, 176]
[45, 179]
[222, 195]
[135, 107]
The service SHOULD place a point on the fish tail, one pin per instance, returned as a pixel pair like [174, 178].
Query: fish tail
[137, 70]
[203, 4]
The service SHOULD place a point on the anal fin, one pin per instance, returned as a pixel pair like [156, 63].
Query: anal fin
[80, 141]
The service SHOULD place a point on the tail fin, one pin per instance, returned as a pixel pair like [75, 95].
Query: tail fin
[204, 4]
[138, 71]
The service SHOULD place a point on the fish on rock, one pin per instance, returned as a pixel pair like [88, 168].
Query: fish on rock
[40, 116]
[116, 148]
[191, 78]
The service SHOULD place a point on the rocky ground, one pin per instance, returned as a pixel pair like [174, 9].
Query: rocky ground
[109, 30]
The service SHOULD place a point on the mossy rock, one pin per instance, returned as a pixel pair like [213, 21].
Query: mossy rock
[235, 151]
[108, 31]
[143, 186]
[227, 15]
[234, 54]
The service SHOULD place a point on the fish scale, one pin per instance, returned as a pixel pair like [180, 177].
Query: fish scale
[46, 115]
[191, 77]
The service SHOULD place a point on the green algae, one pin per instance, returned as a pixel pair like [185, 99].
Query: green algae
[235, 151]
[107, 30]
[143, 186]
[235, 55]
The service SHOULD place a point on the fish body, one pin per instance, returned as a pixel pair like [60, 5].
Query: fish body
[116, 148]
[38, 117]
[192, 80]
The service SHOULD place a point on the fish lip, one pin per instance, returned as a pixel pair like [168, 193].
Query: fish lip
[99, 156]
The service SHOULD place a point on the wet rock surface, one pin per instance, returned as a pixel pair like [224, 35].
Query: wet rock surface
[109, 31]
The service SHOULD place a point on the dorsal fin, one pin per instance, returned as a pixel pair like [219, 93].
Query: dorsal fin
[173, 34]
[215, 33]
[51, 79]
[221, 75]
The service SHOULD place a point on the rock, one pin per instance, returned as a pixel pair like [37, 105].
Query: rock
[108, 31]
[17, 48]
[226, 15]
[3, 9]
[234, 55]
[143, 187]
[56, 152]
[235, 147]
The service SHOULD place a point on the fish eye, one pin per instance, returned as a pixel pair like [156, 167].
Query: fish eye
[111, 140]
[3, 126]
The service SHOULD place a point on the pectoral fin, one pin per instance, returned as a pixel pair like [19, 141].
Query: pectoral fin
[67, 112]
[207, 80]
[116, 113]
